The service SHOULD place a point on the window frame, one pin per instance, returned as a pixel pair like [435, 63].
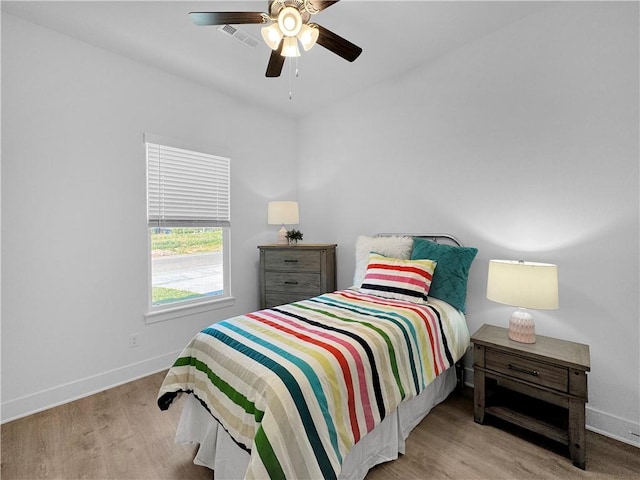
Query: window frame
[159, 313]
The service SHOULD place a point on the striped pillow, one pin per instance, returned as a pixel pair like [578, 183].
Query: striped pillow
[407, 280]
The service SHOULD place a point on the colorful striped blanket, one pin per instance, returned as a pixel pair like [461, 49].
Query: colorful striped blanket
[298, 385]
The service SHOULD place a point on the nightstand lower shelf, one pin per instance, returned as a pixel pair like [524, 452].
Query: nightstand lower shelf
[534, 415]
[530, 423]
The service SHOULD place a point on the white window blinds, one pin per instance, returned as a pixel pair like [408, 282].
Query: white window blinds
[186, 188]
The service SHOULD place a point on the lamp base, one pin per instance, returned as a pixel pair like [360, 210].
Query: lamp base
[282, 236]
[522, 327]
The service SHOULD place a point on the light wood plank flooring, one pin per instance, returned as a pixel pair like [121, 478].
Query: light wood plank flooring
[121, 434]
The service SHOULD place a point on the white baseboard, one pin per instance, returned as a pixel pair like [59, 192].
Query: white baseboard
[52, 397]
[613, 426]
[468, 377]
[597, 421]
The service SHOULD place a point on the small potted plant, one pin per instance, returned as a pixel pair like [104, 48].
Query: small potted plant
[293, 236]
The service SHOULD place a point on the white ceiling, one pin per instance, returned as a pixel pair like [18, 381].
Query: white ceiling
[396, 37]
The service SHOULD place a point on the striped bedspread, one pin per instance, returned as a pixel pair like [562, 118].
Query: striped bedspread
[298, 385]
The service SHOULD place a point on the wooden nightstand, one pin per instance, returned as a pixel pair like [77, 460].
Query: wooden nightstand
[292, 273]
[540, 386]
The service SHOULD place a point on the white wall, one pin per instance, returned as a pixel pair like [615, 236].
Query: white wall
[525, 145]
[74, 269]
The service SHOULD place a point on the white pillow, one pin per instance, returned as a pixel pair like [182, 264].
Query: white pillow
[394, 247]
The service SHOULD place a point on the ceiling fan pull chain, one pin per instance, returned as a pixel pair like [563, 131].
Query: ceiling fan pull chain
[291, 77]
[290, 82]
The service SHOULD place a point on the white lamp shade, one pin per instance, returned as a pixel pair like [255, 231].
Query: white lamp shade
[283, 213]
[289, 21]
[290, 47]
[308, 36]
[272, 36]
[523, 284]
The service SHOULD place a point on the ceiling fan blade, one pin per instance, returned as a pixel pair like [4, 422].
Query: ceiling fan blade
[337, 44]
[223, 18]
[322, 4]
[276, 62]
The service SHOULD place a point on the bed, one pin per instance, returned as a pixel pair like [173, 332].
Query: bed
[330, 386]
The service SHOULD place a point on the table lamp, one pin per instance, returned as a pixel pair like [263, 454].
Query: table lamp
[523, 285]
[283, 213]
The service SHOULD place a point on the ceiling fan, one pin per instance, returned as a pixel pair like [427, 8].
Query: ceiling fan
[288, 23]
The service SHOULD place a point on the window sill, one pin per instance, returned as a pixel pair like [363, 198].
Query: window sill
[170, 313]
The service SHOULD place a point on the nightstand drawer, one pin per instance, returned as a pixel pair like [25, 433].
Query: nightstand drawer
[538, 373]
[293, 260]
[293, 282]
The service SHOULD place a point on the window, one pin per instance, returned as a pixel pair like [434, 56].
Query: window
[188, 212]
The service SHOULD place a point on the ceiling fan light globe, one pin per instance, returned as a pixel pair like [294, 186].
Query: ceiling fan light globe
[290, 47]
[308, 37]
[289, 21]
[272, 36]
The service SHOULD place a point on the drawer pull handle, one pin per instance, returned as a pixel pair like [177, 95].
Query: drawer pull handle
[290, 283]
[534, 373]
[290, 261]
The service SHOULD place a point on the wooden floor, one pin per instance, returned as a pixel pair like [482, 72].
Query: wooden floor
[121, 434]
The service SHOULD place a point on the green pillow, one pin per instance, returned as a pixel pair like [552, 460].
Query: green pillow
[450, 277]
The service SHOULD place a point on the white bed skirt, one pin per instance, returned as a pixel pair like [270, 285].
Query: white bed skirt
[220, 453]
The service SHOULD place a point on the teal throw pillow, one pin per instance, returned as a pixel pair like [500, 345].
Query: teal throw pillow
[450, 277]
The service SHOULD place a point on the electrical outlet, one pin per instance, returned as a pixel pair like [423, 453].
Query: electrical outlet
[133, 340]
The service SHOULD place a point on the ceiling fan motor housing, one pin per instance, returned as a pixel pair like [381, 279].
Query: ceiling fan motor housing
[279, 6]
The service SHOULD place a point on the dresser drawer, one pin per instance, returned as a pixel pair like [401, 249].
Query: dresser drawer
[538, 373]
[273, 299]
[293, 282]
[292, 260]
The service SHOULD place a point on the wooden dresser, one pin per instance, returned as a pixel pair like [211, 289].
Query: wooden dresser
[540, 386]
[292, 273]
